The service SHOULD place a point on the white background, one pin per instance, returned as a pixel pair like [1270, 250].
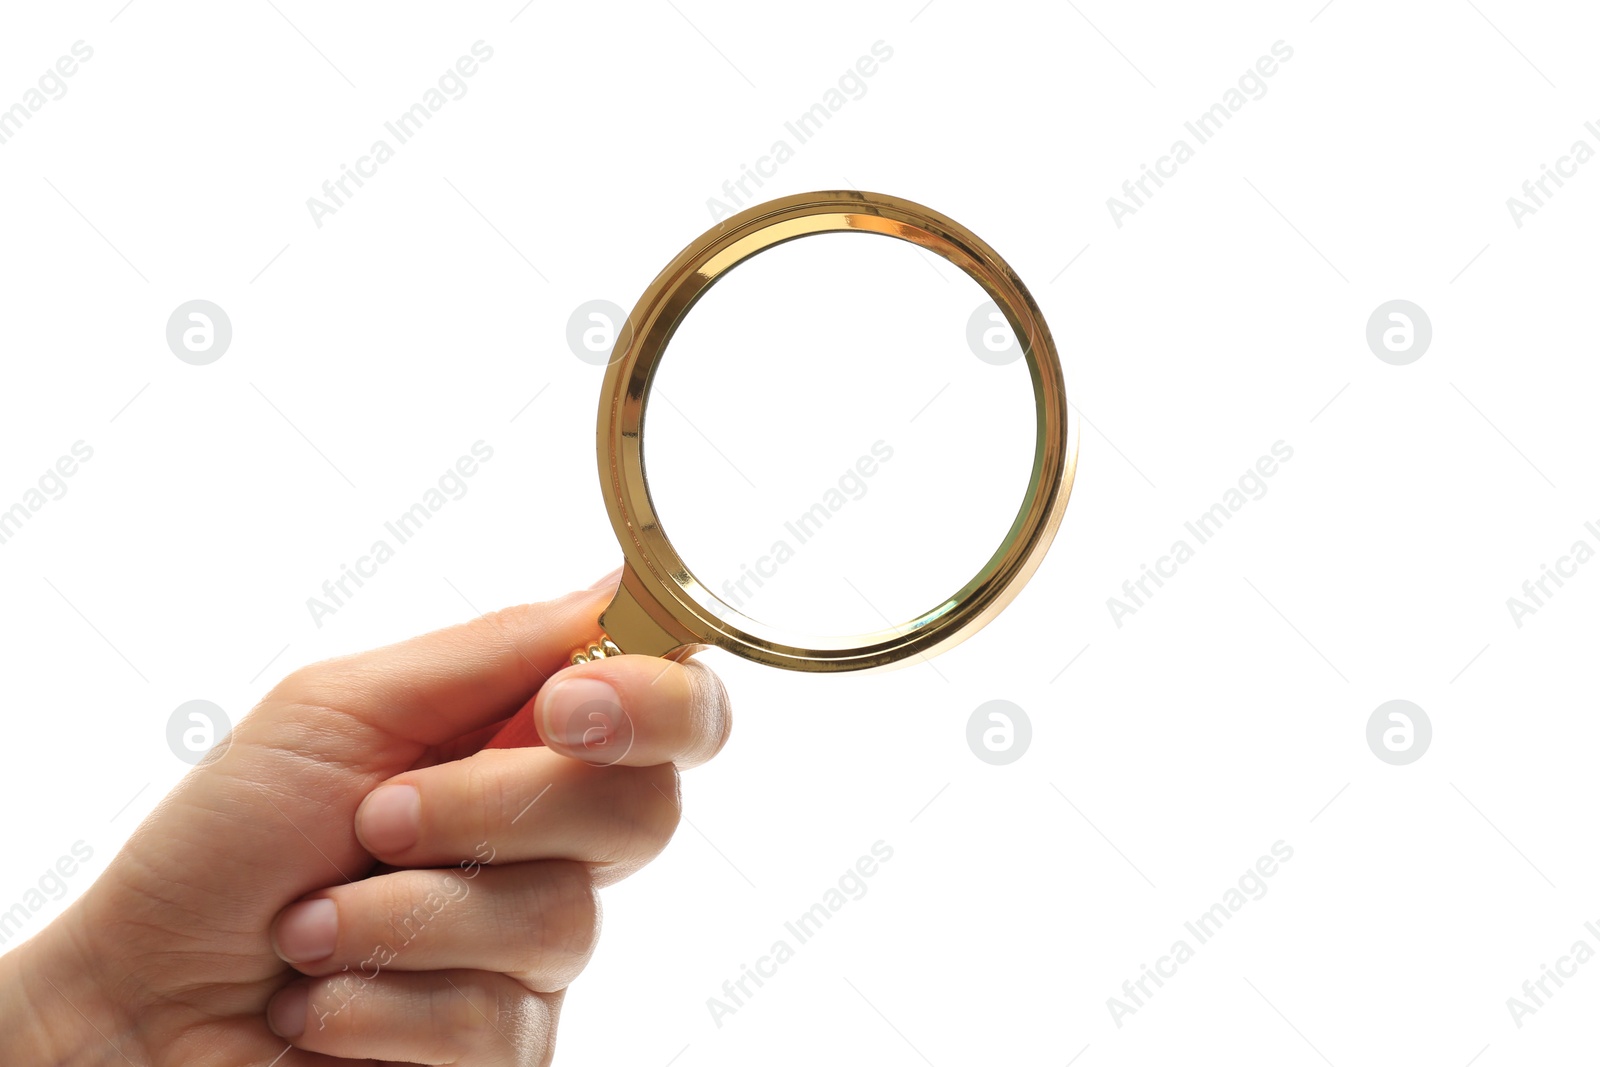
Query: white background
[1229, 313]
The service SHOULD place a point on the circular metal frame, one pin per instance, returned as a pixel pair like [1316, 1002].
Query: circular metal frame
[661, 608]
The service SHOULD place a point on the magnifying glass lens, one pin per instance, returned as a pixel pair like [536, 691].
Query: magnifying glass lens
[839, 434]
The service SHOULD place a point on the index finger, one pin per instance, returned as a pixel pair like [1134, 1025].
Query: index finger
[434, 688]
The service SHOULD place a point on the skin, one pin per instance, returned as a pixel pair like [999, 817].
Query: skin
[439, 922]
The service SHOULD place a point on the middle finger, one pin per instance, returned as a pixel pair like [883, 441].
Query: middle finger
[514, 805]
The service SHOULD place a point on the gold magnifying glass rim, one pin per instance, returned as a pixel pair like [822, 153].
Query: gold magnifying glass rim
[661, 609]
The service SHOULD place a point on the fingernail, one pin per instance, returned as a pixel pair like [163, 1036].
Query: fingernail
[308, 932]
[609, 580]
[286, 1015]
[390, 819]
[582, 715]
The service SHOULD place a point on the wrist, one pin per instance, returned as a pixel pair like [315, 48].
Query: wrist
[52, 1010]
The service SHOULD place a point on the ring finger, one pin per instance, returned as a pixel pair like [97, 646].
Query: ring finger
[536, 922]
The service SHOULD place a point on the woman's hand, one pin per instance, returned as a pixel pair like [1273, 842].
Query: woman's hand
[353, 879]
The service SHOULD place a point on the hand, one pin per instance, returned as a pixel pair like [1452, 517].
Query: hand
[354, 878]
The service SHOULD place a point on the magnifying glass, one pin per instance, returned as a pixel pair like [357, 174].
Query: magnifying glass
[661, 608]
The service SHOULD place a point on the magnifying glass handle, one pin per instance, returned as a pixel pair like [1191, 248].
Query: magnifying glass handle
[521, 731]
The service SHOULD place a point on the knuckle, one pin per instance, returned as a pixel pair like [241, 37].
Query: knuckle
[565, 922]
[664, 808]
[461, 1011]
[409, 905]
[302, 683]
[336, 1005]
[329, 683]
[643, 812]
[714, 705]
[399, 904]
[574, 905]
[516, 619]
[393, 896]
[487, 796]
